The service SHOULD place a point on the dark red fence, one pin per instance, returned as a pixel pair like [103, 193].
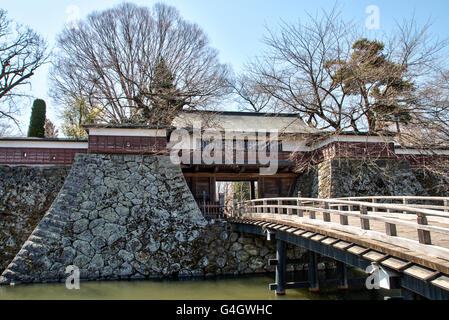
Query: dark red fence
[38, 155]
[123, 144]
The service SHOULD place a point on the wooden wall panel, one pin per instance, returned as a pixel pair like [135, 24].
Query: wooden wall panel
[132, 145]
[38, 155]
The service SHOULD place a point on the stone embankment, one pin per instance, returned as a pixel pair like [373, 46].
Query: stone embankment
[26, 193]
[132, 217]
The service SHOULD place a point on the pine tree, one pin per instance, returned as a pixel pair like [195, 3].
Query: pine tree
[164, 98]
[380, 83]
[37, 120]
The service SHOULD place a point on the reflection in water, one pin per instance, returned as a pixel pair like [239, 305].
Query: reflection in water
[243, 288]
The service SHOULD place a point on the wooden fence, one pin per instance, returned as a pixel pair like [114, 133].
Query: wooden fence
[431, 220]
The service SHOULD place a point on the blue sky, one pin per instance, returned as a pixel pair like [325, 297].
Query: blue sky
[235, 27]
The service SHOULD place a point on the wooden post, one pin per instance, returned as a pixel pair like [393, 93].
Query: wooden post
[289, 211]
[405, 202]
[280, 267]
[300, 210]
[264, 208]
[423, 235]
[326, 215]
[261, 188]
[221, 201]
[280, 210]
[312, 213]
[375, 209]
[364, 222]
[342, 275]
[234, 203]
[212, 187]
[343, 219]
[390, 229]
[446, 205]
[314, 285]
[204, 203]
[253, 190]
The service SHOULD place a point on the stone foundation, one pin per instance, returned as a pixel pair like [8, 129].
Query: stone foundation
[26, 193]
[354, 177]
[133, 217]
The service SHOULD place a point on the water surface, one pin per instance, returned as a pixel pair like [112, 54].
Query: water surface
[242, 288]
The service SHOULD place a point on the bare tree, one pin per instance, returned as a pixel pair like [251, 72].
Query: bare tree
[250, 97]
[294, 70]
[22, 52]
[336, 79]
[50, 129]
[112, 59]
[5, 128]
[324, 70]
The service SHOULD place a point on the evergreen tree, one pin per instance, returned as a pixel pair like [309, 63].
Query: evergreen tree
[165, 102]
[380, 83]
[37, 120]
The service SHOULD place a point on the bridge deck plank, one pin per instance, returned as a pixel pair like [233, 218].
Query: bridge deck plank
[357, 250]
[396, 251]
[299, 232]
[342, 245]
[308, 234]
[396, 264]
[419, 272]
[442, 282]
[329, 241]
[318, 237]
[374, 256]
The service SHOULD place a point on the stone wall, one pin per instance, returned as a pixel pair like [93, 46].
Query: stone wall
[353, 177]
[232, 253]
[132, 217]
[26, 193]
[436, 185]
[307, 184]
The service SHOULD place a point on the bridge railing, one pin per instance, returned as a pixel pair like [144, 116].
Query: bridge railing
[323, 212]
[434, 203]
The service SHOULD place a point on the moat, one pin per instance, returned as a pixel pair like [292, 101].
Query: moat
[239, 288]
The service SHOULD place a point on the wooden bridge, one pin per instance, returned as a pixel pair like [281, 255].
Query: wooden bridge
[407, 237]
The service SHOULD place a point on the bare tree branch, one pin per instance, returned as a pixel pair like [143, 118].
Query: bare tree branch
[22, 52]
[110, 61]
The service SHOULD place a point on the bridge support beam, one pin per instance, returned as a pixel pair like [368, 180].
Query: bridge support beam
[407, 294]
[281, 257]
[342, 276]
[313, 272]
